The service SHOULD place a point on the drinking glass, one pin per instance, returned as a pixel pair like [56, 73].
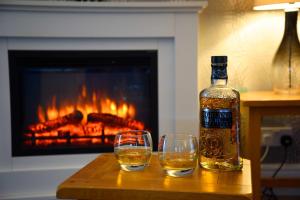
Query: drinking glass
[133, 149]
[178, 154]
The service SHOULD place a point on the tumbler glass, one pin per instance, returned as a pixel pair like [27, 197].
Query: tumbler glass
[133, 149]
[178, 154]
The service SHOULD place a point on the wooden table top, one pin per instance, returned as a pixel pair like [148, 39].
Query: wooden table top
[103, 179]
[269, 98]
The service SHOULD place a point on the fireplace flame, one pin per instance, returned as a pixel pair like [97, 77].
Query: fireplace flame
[97, 105]
[92, 119]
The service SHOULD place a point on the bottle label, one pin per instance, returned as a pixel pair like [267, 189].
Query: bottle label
[216, 118]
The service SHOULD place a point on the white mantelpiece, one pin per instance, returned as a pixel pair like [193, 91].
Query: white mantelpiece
[170, 27]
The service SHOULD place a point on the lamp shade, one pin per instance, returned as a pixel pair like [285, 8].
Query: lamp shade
[287, 5]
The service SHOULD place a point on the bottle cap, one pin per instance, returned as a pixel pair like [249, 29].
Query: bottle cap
[219, 59]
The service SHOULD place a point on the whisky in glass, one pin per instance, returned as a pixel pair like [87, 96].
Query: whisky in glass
[133, 149]
[178, 154]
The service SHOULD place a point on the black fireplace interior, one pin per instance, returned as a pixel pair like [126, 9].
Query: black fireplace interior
[66, 102]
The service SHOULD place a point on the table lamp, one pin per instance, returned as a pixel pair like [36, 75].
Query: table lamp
[286, 62]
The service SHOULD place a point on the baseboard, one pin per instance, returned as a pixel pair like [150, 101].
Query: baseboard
[37, 184]
[33, 198]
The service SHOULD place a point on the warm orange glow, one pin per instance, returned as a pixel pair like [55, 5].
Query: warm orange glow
[123, 111]
[83, 132]
[52, 112]
[113, 108]
[42, 142]
[48, 134]
[66, 110]
[114, 131]
[83, 91]
[94, 98]
[106, 105]
[96, 141]
[131, 110]
[41, 114]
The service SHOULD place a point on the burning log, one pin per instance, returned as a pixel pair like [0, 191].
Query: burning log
[113, 120]
[72, 118]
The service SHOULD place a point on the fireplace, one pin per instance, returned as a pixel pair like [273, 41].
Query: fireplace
[171, 28]
[66, 102]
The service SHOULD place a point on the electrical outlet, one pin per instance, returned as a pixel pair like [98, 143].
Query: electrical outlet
[271, 135]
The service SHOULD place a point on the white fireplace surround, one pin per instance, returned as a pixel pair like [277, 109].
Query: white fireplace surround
[170, 27]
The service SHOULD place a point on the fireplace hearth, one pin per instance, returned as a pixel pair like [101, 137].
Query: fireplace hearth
[66, 102]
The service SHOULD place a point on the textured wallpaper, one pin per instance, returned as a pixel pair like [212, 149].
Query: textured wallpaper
[249, 38]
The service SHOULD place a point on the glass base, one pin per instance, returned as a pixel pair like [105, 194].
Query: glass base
[179, 173]
[133, 167]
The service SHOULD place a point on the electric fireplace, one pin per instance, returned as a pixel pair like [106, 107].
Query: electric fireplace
[66, 102]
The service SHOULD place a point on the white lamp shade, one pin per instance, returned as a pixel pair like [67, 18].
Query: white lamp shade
[287, 5]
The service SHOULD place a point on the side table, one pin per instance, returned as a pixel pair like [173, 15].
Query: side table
[103, 179]
[254, 106]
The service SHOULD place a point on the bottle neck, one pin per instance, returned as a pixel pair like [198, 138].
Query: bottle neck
[219, 74]
[218, 82]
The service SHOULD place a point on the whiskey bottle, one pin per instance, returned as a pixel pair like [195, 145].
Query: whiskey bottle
[220, 121]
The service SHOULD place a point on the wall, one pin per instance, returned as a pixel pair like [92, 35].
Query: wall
[250, 39]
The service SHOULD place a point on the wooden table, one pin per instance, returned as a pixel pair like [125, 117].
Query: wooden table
[103, 179]
[256, 105]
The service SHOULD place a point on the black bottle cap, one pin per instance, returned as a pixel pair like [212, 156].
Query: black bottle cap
[219, 59]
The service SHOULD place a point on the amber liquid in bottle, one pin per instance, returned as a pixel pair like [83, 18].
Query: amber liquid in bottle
[220, 122]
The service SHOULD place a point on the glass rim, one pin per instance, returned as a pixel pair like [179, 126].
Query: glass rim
[143, 132]
[139, 135]
[178, 134]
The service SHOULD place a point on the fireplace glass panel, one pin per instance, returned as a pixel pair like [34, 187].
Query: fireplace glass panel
[66, 102]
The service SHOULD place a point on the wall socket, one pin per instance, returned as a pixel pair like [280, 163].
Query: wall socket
[271, 135]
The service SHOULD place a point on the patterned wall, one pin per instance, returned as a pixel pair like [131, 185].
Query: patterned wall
[250, 39]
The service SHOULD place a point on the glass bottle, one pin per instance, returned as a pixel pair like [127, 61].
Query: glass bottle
[220, 121]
